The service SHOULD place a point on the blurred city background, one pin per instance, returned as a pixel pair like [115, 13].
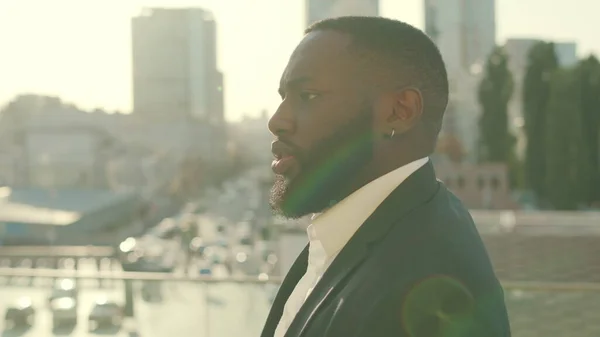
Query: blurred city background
[135, 158]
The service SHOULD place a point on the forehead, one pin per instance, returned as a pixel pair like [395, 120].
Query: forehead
[323, 56]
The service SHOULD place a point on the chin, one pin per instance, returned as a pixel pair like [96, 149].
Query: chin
[281, 198]
[294, 198]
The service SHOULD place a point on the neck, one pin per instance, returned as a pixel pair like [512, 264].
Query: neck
[383, 163]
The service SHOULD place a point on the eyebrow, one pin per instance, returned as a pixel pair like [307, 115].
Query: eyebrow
[292, 83]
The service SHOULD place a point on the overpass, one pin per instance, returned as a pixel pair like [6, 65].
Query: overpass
[33, 216]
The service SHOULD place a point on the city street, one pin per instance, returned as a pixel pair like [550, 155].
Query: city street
[186, 309]
[233, 310]
[38, 290]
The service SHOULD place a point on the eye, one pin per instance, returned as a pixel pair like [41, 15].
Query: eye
[308, 96]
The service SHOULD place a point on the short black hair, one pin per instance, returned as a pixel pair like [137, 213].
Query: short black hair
[419, 60]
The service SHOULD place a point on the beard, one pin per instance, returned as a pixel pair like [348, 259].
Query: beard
[327, 171]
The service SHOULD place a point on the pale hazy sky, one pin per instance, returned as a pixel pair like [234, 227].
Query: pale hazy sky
[80, 49]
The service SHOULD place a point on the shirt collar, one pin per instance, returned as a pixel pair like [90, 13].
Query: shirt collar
[334, 227]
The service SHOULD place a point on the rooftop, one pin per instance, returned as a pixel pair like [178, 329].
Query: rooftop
[53, 207]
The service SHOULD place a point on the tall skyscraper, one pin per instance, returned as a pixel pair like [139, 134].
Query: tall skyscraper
[465, 33]
[317, 10]
[175, 71]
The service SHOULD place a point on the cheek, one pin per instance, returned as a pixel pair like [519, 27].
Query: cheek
[319, 122]
[310, 132]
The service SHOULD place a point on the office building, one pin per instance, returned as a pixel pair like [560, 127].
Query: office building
[317, 10]
[465, 33]
[464, 30]
[175, 73]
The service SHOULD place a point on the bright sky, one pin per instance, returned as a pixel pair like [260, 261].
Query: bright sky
[80, 49]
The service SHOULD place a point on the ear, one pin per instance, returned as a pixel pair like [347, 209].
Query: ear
[407, 110]
[398, 110]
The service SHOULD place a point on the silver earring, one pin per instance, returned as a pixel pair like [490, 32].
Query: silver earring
[392, 134]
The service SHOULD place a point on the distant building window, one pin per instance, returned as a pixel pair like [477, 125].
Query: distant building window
[461, 182]
[480, 183]
[495, 182]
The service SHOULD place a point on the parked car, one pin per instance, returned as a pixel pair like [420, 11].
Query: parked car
[64, 311]
[22, 314]
[105, 314]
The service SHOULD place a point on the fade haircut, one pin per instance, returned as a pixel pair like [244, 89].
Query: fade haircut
[408, 53]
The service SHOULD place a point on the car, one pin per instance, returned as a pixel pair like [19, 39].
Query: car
[105, 314]
[246, 241]
[205, 271]
[64, 311]
[197, 246]
[63, 288]
[22, 314]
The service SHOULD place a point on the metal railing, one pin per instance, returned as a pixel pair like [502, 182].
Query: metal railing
[205, 305]
[132, 276]
[57, 251]
[175, 277]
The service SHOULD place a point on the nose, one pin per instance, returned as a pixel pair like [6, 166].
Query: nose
[282, 123]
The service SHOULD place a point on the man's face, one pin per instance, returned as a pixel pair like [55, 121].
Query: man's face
[323, 126]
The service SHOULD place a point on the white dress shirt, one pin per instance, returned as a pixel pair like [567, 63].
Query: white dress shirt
[331, 230]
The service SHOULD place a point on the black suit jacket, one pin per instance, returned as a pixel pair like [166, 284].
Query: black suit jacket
[416, 267]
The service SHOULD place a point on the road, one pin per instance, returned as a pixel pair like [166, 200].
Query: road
[187, 309]
[233, 310]
[39, 290]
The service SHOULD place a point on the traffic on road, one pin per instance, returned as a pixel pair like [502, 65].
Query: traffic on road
[218, 235]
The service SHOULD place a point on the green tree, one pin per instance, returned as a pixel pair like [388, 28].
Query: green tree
[496, 143]
[567, 165]
[495, 140]
[542, 63]
[589, 76]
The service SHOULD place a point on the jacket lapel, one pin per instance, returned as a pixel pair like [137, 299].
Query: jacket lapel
[285, 290]
[414, 191]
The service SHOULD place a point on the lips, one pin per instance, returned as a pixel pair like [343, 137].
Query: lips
[284, 158]
[283, 165]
